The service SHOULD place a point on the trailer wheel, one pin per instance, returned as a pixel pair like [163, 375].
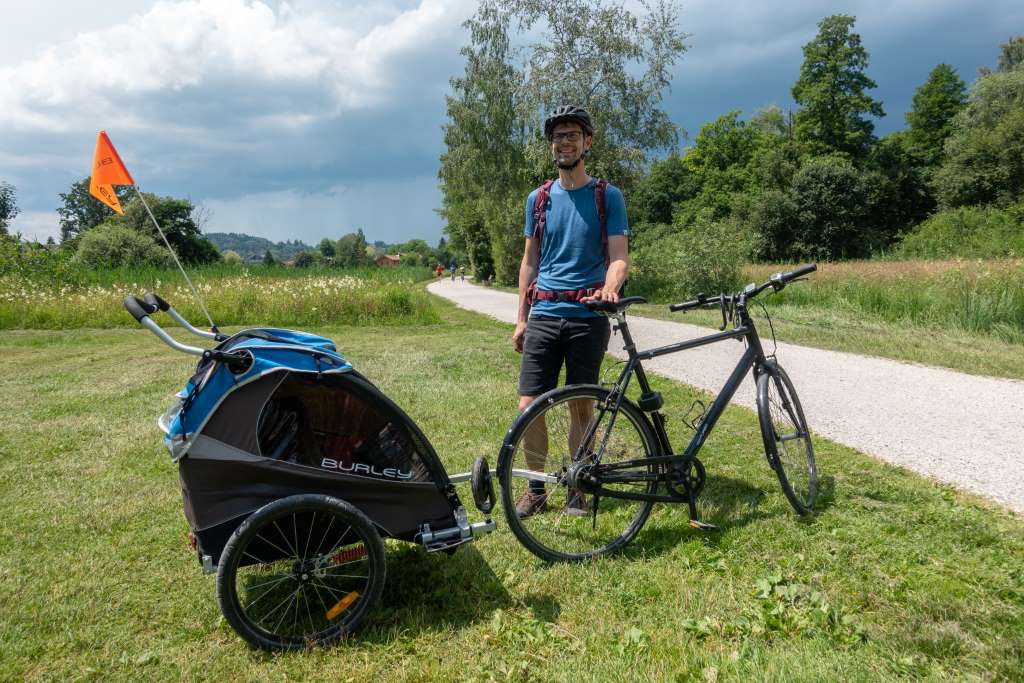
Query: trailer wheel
[301, 571]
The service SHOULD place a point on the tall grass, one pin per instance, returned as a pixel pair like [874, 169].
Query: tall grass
[275, 296]
[984, 296]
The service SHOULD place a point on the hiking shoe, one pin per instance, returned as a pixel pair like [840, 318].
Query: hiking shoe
[576, 504]
[530, 503]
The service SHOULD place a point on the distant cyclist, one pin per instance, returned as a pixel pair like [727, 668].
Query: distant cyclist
[462, 273]
[452, 269]
[576, 251]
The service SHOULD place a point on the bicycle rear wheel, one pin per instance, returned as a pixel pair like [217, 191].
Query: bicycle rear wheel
[787, 441]
[542, 445]
[301, 571]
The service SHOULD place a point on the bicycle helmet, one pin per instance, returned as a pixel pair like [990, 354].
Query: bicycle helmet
[566, 113]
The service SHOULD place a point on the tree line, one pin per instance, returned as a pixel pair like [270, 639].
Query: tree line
[814, 183]
[94, 236]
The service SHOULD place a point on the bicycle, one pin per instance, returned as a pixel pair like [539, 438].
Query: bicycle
[593, 440]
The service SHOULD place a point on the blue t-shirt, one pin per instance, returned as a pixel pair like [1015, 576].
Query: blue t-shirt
[571, 256]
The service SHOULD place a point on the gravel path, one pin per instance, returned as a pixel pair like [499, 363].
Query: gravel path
[961, 429]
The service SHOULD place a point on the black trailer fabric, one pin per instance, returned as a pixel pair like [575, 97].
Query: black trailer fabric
[293, 432]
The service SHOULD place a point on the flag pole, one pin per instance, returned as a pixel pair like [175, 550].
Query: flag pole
[213, 327]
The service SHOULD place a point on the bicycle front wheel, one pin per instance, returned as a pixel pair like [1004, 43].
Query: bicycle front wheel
[553, 520]
[787, 441]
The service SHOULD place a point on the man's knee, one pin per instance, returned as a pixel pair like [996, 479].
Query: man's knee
[525, 401]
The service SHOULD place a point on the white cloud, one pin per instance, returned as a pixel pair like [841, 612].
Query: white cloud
[36, 225]
[216, 44]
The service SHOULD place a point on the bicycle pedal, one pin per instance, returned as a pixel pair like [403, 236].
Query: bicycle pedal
[703, 526]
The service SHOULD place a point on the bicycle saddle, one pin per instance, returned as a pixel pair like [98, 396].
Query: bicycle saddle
[608, 307]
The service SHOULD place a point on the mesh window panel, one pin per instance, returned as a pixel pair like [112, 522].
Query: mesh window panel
[332, 424]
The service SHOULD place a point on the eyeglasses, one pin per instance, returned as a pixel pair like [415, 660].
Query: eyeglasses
[574, 136]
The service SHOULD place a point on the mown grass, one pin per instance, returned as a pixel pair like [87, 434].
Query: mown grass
[894, 578]
[233, 296]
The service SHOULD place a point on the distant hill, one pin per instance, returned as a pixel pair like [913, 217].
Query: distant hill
[252, 248]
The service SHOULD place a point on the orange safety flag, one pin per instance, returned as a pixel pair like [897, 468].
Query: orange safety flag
[108, 170]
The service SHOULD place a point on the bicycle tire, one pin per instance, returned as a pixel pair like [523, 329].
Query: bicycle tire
[319, 605]
[787, 440]
[553, 535]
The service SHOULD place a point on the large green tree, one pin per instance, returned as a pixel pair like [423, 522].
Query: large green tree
[832, 91]
[351, 250]
[79, 211]
[935, 104]
[597, 55]
[984, 155]
[177, 220]
[8, 206]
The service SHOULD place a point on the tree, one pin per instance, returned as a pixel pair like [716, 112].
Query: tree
[326, 248]
[719, 162]
[620, 65]
[268, 258]
[833, 202]
[307, 259]
[832, 93]
[1011, 54]
[80, 211]
[903, 196]
[984, 154]
[351, 250]
[669, 182]
[176, 219]
[935, 104]
[8, 206]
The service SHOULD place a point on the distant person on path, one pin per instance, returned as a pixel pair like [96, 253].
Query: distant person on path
[462, 273]
[453, 271]
[576, 251]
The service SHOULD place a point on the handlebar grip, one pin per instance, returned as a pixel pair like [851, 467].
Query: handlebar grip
[154, 300]
[138, 308]
[801, 271]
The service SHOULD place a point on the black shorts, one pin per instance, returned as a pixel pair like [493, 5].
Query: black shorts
[579, 343]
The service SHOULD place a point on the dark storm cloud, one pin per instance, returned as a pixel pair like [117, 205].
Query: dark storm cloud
[311, 118]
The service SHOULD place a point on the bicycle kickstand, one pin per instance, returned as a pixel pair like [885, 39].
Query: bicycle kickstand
[694, 522]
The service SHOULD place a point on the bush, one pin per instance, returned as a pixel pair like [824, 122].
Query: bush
[968, 232]
[834, 201]
[115, 245]
[307, 259]
[232, 258]
[677, 262]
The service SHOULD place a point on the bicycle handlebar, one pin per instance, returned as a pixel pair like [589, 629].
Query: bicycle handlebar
[776, 281]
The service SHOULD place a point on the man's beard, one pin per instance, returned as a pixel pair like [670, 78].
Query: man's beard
[566, 166]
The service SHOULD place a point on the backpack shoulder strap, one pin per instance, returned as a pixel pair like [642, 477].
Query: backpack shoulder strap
[602, 216]
[540, 205]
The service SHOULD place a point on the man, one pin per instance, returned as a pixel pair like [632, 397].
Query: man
[571, 265]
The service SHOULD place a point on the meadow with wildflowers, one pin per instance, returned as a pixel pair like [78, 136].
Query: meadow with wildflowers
[233, 296]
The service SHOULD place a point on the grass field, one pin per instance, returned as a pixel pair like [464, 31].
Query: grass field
[894, 578]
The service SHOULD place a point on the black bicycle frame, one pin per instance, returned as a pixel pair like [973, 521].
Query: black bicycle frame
[753, 358]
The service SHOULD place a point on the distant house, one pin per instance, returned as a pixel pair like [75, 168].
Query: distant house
[388, 260]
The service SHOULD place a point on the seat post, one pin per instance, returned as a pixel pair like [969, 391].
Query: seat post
[627, 339]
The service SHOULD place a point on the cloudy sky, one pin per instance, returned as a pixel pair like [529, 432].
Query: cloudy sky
[309, 118]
